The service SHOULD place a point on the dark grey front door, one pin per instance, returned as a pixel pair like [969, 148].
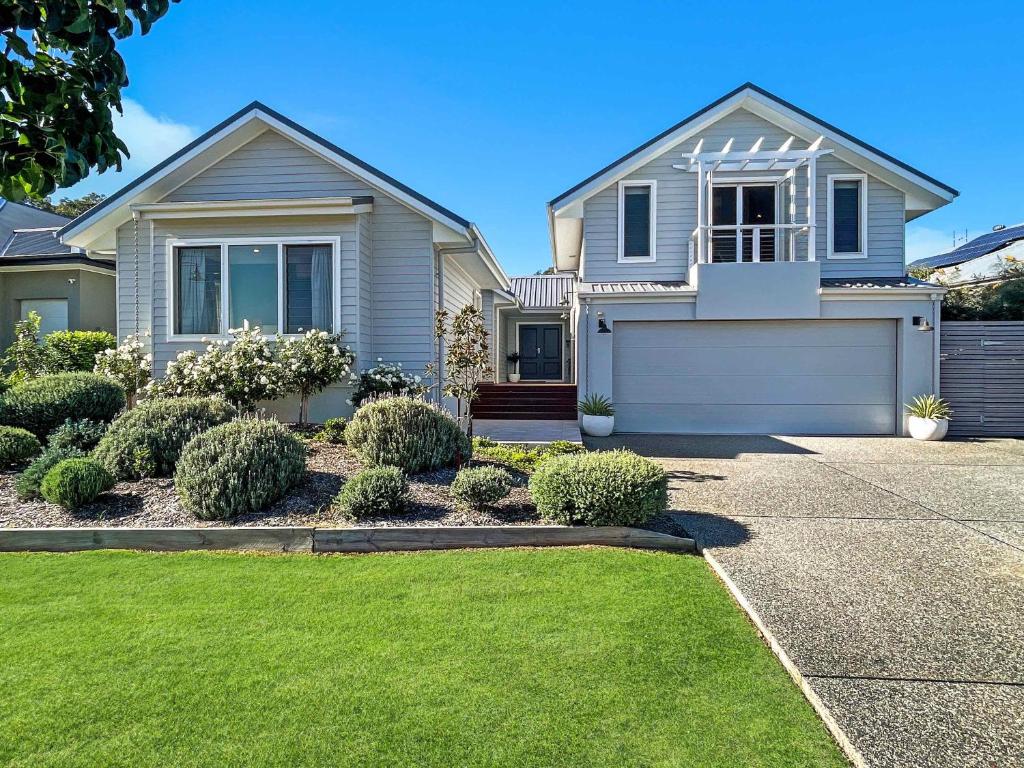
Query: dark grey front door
[540, 352]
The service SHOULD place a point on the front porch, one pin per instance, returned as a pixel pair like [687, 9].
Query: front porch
[523, 401]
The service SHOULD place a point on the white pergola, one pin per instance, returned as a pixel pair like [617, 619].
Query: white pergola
[783, 160]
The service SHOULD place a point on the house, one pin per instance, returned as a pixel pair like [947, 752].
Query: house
[743, 271]
[260, 220]
[69, 290]
[981, 260]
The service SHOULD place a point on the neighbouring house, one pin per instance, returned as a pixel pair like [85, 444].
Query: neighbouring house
[261, 221]
[69, 289]
[743, 271]
[982, 260]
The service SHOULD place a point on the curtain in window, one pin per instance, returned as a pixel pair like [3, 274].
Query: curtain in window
[321, 288]
[199, 290]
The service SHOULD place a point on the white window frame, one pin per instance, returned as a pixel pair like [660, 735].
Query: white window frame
[653, 184]
[173, 243]
[862, 209]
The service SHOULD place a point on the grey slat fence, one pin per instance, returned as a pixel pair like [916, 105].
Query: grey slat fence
[982, 377]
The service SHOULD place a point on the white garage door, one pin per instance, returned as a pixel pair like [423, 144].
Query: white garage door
[783, 377]
[53, 314]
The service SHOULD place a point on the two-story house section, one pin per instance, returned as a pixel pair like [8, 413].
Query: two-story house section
[744, 272]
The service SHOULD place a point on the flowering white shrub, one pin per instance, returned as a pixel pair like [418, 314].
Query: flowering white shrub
[242, 370]
[385, 379]
[313, 362]
[128, 364]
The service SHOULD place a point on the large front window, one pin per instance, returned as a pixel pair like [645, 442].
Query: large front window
[276, 286]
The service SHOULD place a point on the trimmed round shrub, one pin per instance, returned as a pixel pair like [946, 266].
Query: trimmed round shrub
[409, 434]
[147, 440]
[74, 482]
[17, 446]
[603, 488]
[26, 485]
[43, 404]
[239, 467]
[481, 487]
[83, 434]
[333, 431]
[374, 491]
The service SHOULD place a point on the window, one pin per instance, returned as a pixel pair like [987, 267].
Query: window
[847, 216]
[274, 285]
[308, 297]
[637, 217]
[197, 288]
[252, 286]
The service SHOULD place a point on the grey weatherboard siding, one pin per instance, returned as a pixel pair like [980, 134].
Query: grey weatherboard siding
[677, 210]
[386, 256]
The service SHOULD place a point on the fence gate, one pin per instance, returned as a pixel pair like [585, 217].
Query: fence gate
[982, 377]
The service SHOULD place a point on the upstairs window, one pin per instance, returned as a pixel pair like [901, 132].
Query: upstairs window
[847, 216]
[637, 216]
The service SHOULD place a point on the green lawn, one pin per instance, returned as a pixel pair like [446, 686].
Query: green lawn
[574, 657]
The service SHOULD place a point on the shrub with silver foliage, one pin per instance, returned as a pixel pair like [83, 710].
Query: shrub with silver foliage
[237, 468]
[481, 487]
[603, 488]
[374, 491]
[409, 434]
[147, 440]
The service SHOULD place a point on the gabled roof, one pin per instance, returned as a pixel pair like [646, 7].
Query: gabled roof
[543, 291]
[747, 94]
[258, 112]
[979, 246]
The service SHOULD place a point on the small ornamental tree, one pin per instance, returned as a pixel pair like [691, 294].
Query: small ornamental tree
[129, 365]
[311, 363]
[242, 370]
[25, 358]
[466, 355]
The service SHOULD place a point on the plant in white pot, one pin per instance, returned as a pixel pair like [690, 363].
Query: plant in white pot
[513, 360]
[929, 417]
[597, 415]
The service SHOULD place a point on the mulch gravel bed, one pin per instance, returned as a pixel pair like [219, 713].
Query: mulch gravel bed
[152, 503]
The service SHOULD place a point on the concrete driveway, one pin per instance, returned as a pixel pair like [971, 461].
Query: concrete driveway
[890, 571]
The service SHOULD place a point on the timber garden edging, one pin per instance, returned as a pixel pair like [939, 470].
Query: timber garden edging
[295, 539]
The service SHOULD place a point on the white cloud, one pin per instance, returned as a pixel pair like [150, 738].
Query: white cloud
[149, 138]
[923, 242]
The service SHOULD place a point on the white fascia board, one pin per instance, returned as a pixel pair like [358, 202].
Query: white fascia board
[850, 152]
[932, 293]
[684, 132]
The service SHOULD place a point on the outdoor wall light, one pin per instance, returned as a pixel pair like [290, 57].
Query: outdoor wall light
[602, 326]
[922, 324]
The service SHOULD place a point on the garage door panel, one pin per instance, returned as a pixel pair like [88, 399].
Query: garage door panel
[761, 390]
[757, 361]
[733, 333]
[796, 377]
[750, 419]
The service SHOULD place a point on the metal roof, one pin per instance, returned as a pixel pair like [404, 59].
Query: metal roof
[35, 242]
[876, 282]
[979, 246]
[543, 291]
[634, 286]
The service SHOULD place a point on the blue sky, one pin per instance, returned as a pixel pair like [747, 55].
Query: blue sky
[493, 110]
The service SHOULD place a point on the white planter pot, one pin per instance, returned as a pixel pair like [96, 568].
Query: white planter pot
[597, 426]
[513, 378]
[928, 429]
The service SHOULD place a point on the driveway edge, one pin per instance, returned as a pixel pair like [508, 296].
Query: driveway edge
[844, 742]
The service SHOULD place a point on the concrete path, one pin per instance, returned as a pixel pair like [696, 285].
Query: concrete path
[890, 571]
[527, 431]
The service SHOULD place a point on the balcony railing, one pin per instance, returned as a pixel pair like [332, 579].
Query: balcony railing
[750, 243]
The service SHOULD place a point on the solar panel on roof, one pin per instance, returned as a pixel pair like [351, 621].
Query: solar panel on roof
[979, 246]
